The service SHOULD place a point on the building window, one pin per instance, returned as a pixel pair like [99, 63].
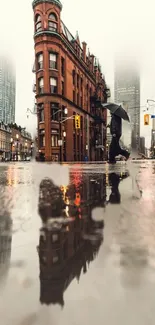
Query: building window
[74, 142]
[63, 88]
[74, 120]
[41, 85]
[55, 158]
[81, 147]
[78, 142]
[81, 84]
[55, 238]
[41, 112]
[42, 138]
[78, 81]
[78, 99]
[62, 66]
[81, 123]
[52, 22]
[73, 76]
[40, 61]
[53, 61]
[38, 24]
[54, 111]
[53, 85]
[54, 140]
[81, 101]
[73, 96]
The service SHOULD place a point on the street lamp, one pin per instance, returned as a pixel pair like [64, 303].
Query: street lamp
[64, 134]
[65, 110]
[147, 103]
[17, 139]
[11, 142]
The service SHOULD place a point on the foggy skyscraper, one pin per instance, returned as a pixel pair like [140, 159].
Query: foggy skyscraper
[127, 92]
[7, 91]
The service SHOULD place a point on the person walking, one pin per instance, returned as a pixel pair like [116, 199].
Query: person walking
[116, 132]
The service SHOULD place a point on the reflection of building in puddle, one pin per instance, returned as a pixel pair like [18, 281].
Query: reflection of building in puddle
[67, 247]
[5, 228]
[133, 262]
[12, 176]
[5, 243]
[51, 203]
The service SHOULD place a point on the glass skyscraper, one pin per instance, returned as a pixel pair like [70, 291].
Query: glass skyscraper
[127, 92]
[7, 91]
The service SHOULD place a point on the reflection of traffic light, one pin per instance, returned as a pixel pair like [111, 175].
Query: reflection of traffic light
[146, 119]
[77, 200]
[77, 121]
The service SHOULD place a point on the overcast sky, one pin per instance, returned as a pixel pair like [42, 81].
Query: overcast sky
[107, 26]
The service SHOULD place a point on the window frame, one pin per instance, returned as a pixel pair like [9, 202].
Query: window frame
[40, 89]
[53, 88]
[52, 22]
[53, 64]
[55, 138]
[40, 64]
[62, 66]
[40, 111]
[38, 22]
[62, 88]
[54, 112]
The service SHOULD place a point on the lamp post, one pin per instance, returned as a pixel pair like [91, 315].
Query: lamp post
[11, 143]
[17, 139]
[60, 130]
[64, 145]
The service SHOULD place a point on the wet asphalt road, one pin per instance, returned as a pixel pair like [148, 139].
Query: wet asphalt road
[77, 254]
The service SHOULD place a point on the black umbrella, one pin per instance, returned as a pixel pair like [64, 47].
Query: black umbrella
[117, 110]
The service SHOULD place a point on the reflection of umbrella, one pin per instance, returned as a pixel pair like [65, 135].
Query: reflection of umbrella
[117, 110]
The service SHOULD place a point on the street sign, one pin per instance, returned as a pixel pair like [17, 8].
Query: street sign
[152, 116]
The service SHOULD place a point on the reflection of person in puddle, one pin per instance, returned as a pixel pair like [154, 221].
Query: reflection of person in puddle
[114, 180]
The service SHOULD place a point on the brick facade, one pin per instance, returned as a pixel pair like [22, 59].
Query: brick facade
[66, 77]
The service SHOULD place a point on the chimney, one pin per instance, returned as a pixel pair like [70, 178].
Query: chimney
[92, 62]
[84, 44]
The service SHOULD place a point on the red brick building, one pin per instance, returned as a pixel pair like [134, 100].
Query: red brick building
[68, 80]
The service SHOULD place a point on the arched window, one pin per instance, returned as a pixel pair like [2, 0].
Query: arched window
[52, 22]
[38, 24]
[41, 85]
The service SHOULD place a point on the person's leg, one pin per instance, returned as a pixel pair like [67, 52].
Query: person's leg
[112, 150]
[123, 152]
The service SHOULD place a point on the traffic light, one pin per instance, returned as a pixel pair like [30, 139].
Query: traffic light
[146, 119]
[77, 121]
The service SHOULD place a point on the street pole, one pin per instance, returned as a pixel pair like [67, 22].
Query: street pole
[17, 138]
[11, 148]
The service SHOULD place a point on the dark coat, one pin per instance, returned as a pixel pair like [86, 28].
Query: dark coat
[116, 126]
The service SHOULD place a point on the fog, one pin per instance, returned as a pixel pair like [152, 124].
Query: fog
[109, 27]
